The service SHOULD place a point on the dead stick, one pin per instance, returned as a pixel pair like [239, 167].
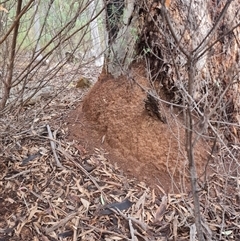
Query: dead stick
[20, 173]
[75, 228]
[60, 223]
[53, 146]
[101, 230]
[131, 230]
[143, 225]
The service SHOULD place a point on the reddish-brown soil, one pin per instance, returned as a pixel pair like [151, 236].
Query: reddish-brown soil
[112, 116]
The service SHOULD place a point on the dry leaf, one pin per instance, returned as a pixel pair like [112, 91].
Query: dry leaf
[193, 232]
[175, 226]
[106, 210]
[3, 9]
[82, 189]
[141, 201]
[85, 203]
[161, 209]
[167, 3]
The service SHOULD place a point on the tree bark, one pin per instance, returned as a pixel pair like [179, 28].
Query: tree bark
[122, 23]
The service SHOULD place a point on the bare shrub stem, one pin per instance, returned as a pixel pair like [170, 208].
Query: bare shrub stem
[7, 84]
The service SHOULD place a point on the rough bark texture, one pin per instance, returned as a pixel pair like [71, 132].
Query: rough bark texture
[122, 23]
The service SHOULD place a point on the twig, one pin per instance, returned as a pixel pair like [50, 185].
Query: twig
[75, 229]
[173, 31]
[38, 196]
[141, 224]
[18, 17]
[131, 230]
[206, 40]
[53, 146]
[20, 173]
[60, 223]
[108, 232]
[8, 82]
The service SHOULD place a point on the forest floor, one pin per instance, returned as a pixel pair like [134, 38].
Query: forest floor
[101, 168]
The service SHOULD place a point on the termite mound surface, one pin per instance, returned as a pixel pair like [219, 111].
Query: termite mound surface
[113, 117]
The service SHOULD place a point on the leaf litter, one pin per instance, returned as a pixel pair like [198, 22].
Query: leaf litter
[54, 189]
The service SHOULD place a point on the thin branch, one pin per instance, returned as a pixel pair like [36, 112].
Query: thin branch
[20, 173]
[164, 11]
[53, 146]
[7, 84]
[61, 223]
[190, 151]
[216, 41]
[16, 21]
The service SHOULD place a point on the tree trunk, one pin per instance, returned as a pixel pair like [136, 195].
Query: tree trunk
[122, 24]
[95, 36]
